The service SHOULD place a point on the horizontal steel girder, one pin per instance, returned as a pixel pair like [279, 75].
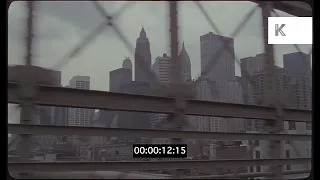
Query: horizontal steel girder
[94, 175]
[295, 8]
[134, 175]
[115, 132]
[245, 175]
[59, 96]
[139, 165]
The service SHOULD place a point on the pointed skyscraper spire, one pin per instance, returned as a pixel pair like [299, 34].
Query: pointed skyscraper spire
[183, 45]
[143, 33]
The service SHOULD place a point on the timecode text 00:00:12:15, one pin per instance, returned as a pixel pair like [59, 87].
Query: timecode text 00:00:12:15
[160, 150]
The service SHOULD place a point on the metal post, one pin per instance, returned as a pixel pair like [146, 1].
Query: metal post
[178, 91]
[270, 81]
[27, 88]
[176, 69]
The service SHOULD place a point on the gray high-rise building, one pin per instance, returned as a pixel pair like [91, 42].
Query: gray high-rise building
[135, 119]
[118, 77]
[162, 67]
[249, 66]
[297, 64]
[259, 97]
[51, 115]
[142, 58]
[80, 116]
[216, 60]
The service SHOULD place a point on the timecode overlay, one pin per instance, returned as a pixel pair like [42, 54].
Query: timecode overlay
[160, 150]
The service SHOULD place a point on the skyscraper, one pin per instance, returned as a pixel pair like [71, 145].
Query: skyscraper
[249, 66]
[185, 64]
[230, 92]
[163, 69]
[118, 77]
[51, 115]
[216, 60]
[142, 61]
[297, 64]
[259, 89]
[80, 116]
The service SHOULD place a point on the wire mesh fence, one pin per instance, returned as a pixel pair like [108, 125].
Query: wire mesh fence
[262, 81]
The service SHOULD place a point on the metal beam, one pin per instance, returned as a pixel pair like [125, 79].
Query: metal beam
[245, 175]
[138, 165]
[138, 175]
[94, 175]
[58, 96]
[117, 132]
[295, 8]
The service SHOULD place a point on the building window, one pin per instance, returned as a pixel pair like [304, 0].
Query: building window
[258, 168]
[292, 125]
[288, 167]
[309, 126]
[251, 169]
[287, 153]
[257, 154]
[287, 141]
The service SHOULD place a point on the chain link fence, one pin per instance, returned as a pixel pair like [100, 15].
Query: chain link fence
[261, 83]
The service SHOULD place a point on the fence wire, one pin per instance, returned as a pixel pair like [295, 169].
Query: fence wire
[110, 22]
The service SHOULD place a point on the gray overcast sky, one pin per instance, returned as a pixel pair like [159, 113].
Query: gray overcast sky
[61, 25]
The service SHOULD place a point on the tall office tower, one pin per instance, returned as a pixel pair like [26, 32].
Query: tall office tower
[252, 65]
[185, 64]
[51, 115]
[230, 92]
[297, 64]
[163, 69]
[216, 60]
[205, 92]
[118, 77]
[259, 89]
[80, 116]
[142, 58]
[249, 66]
[135, 120]
[302, 93]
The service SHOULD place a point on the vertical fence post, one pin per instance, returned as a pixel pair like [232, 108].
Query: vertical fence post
[270, 86]
[176, 68]
[27, 88]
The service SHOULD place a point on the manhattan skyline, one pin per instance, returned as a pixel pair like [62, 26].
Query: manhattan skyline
[61, 25]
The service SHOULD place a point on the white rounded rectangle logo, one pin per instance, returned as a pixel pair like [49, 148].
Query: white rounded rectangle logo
[289, 30]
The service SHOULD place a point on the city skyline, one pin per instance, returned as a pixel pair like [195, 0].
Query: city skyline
[74, 23]
[59, 29]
